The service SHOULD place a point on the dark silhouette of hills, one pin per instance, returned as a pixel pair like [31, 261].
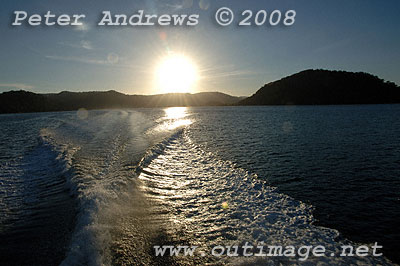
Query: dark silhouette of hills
[24, 101]
[309, 87]
[320, 87]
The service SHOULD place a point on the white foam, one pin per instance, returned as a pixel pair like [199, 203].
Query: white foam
[212, 202]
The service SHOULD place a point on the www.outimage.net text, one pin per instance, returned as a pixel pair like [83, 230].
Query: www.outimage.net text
[262, 250]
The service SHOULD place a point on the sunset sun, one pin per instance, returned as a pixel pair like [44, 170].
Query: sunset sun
[176, 73]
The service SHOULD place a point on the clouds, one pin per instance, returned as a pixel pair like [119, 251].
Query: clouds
[78, 59]
[82, 27]
[227, 71]
[87, 45]
[21, 86]
[110, 59]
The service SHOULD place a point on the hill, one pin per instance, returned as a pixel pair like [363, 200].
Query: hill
[312, 87]
[309, 87]
[23, 101]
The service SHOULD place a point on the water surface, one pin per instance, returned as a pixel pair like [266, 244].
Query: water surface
[103, 187]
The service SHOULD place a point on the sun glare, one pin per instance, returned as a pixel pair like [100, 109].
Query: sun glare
[176, 73]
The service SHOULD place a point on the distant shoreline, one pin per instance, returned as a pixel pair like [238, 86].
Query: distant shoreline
[205, 106]
[309, 87]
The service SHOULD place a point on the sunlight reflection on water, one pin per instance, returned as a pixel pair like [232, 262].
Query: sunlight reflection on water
[175, 112]
[175, 117]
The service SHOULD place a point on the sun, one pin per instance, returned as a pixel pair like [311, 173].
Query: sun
[176, 73]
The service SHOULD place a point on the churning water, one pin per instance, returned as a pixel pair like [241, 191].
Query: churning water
[104, 187]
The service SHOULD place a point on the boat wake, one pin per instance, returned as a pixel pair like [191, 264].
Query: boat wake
[207, 202]
[135, 184]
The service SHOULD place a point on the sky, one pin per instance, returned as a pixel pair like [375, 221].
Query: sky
[357, 35]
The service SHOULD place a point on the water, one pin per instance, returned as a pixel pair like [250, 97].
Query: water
[104, 187]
